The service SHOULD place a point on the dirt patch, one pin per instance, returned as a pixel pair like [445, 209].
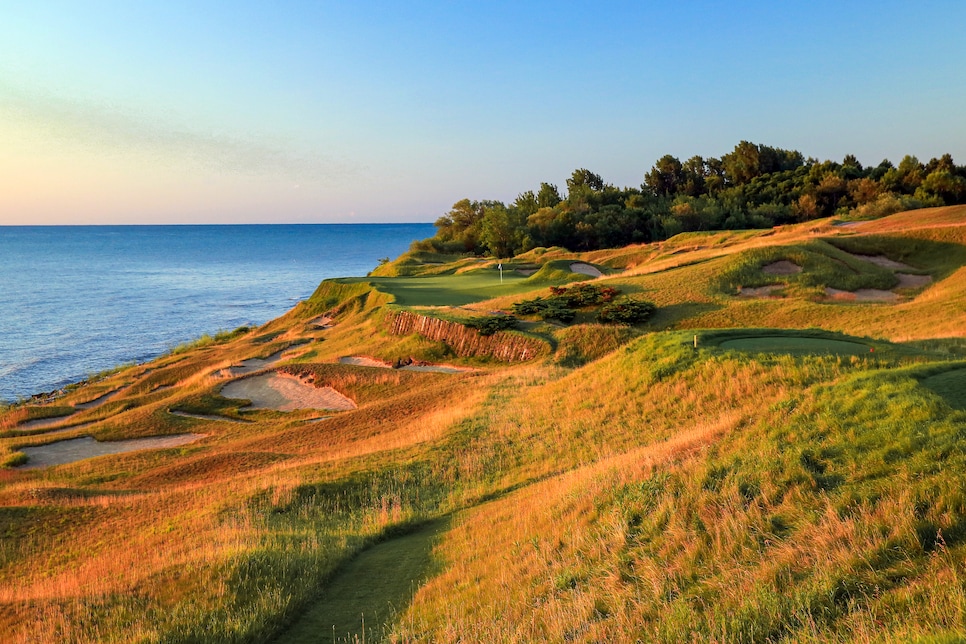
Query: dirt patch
[78, 449]
[861, 295]
[285, 392]
[782, 267]
[585, 269]
[760, 291]
[907, 280]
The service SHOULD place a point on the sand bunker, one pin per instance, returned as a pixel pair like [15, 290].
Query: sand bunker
[884, 262]
[212, 417]
[322, 322]
[585, 269]
[96, 402]
[365, 361]
[78, 449]
[285, 392]
[59, 430]
[42, 423]
[251, 365]
[760, 291]
[861, 295]
[782, 267]
[907, 280]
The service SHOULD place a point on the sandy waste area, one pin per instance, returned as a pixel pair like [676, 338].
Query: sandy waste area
[78, 449]
[585, 269]
[285, 392]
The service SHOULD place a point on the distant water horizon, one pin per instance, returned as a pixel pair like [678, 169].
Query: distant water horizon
[78, 300]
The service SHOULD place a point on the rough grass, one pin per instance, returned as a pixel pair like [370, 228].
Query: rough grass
[628, 487]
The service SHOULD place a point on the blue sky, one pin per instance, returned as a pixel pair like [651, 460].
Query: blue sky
[191, 112]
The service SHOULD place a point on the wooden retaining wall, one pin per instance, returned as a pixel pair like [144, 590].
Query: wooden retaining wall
[467, 342]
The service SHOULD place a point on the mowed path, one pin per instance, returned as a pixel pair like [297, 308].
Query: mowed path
[376, 585]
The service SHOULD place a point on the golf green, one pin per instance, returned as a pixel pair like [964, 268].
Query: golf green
[796, 345]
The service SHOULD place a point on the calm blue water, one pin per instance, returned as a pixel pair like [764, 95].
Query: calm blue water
[77, 300]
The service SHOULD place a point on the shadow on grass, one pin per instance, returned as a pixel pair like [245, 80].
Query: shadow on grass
[951, 386]
[371, 589]
[667, 316]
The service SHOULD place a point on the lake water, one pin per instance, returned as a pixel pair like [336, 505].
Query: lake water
[76, 300]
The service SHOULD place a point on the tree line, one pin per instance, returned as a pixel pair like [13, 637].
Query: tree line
[753, 186]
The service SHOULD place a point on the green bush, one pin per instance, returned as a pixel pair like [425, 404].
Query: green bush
[626, 311]
[584, 294]
[490, 324]
[550, 308]
[562, 304]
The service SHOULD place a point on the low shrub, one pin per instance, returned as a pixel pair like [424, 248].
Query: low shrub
[585, 294]
[490, 324]
[626, 311]
[564, 301]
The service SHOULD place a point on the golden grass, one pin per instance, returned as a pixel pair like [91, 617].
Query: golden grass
[629, 487]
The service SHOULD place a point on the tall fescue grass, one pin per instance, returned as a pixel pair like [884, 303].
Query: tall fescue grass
[632, 487]
[834, 515]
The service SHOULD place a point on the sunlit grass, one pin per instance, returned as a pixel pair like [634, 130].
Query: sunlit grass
[631, 486]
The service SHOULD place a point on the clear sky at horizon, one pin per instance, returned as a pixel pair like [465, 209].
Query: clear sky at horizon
[238, 112]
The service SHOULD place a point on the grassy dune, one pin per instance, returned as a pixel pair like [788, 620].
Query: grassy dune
[789, 467]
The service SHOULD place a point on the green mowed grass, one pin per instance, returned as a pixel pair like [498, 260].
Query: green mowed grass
[950, 385]
[372, 588]
[453, 290]
[796, 346]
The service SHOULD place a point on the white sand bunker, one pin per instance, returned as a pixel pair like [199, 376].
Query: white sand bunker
[251, 365]
[861, 295]
[211, 417]
[907, 280]
[883, 261]
[78, 449]
[100, 400]
[42, 423]
[585, 269]
[322, 322]
[782, 267]
[285, 392]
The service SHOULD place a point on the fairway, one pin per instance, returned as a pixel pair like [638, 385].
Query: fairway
[796, 346]
[454, 290]
[372, 588]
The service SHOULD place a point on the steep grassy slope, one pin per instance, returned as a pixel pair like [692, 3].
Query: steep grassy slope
[779, 467]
